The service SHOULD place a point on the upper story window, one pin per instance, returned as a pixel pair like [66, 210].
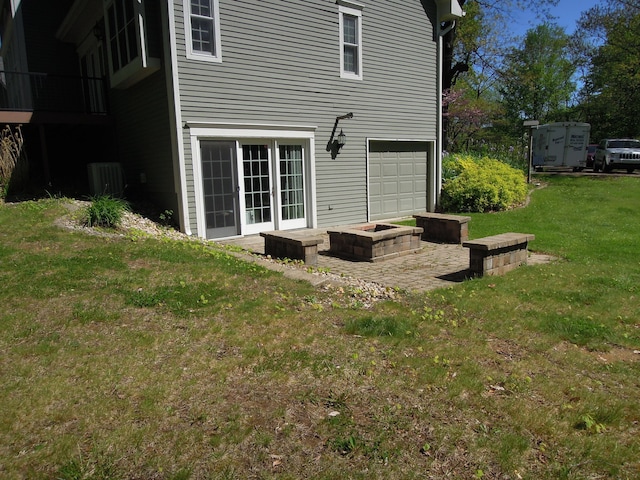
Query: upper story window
[202, 30]
[350, 40]
[131, 56]
[123, 39]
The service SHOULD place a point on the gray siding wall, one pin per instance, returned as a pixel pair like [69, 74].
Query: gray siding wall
[143, 139]
[281, 65]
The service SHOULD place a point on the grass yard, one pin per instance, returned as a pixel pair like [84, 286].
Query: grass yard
[141, 358]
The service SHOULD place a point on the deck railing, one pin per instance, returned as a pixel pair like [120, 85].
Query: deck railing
[44, 92]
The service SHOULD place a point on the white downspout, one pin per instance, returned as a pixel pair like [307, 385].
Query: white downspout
[435, 170]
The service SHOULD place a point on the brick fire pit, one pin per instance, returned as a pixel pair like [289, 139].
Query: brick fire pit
[374, 242]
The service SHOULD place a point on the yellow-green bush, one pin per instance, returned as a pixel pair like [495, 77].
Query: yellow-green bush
[481, 185]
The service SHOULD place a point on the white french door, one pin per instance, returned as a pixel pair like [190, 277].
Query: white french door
[290, 172]
[257, 194]
[274, 194]
[251, 183]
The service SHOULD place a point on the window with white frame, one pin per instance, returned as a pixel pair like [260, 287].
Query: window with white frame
[202, 29]
[127, 39]
[123, 38]
[350, 40]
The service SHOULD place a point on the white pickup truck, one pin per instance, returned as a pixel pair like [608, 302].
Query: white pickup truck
[617, 153]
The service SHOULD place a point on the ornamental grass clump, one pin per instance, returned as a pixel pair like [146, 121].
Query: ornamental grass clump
[106, 211]
[11, 153]
[481, 185]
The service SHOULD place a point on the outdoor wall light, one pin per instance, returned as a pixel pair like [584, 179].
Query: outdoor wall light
[98, 31]
[336, 142]
[342, 140]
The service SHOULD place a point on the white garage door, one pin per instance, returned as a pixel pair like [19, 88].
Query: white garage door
[397, 179]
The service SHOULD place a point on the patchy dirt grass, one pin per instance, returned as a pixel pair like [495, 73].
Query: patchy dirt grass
[127, 357]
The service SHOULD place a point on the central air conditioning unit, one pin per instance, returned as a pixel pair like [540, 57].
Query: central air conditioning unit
[106, 178]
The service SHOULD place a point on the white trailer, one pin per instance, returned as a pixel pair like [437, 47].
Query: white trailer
[562, 144]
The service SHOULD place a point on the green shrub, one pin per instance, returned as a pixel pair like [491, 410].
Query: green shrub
[106, 211]
[480, 185]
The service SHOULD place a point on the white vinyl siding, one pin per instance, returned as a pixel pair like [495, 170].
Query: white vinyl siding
[203, 30]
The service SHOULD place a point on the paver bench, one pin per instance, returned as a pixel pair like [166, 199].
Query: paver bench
[498, 254]
[438, 227]
[293, 245]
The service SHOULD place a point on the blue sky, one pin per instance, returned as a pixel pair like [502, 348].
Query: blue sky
[567, 13]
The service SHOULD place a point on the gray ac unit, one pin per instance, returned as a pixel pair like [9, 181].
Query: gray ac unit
[106, 178]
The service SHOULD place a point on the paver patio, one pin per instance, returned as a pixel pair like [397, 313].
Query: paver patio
[435, 265]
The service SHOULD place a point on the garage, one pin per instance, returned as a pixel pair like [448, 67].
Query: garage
[397, 178]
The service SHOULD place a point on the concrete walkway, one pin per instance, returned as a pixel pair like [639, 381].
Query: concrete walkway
[436, 265]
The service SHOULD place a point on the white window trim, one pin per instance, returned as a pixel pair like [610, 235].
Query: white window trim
[298, 222]
[203, 131]
[356, 12]
[139, 39]
[350, 4]
[15, 4]
[200, 56]
[175, 120]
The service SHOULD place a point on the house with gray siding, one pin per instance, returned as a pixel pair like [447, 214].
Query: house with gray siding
[240, 116]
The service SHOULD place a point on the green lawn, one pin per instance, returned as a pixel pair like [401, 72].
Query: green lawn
[132, 357]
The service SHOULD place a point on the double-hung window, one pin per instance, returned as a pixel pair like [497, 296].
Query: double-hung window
[202, 30]
[350, 40]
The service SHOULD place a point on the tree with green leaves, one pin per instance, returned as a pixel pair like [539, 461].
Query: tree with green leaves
[610, 51]
[479, 40]
[473, 52]
[536, 78]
